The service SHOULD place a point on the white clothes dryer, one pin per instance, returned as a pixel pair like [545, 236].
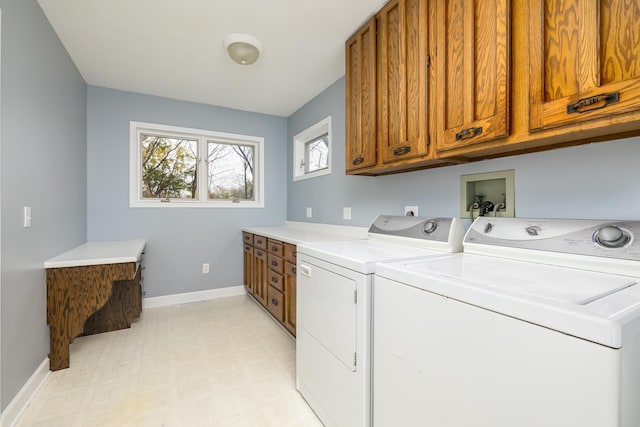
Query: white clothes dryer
[334, 279]
[536, 324]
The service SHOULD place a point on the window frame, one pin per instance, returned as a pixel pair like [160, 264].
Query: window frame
[300, 141]
[136, 129]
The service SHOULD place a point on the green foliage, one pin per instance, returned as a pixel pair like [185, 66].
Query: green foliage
[169, 167]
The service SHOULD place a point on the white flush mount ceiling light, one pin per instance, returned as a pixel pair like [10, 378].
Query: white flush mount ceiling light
[243, 48]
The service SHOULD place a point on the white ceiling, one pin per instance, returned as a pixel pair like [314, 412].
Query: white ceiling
[174, 48]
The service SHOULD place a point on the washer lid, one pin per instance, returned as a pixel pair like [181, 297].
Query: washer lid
[599, 307]
[566, 285]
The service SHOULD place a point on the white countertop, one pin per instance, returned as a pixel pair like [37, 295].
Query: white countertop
[95, 253]
[306, 232]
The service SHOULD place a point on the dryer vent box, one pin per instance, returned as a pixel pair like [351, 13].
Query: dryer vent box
[495, 187]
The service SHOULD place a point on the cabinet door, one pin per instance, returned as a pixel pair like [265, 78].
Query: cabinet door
[248, 267]
[584, 59]
[260, 272]
[290, 296]
[402, 44]
[472, 78]
[361, 97]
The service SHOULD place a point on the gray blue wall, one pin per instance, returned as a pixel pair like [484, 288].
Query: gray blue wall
[43, 166]
[179, 240]
[597, 181]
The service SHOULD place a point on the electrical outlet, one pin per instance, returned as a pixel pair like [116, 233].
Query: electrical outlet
[205, 268]
[346, 213]
[309, 212]
[411, 211]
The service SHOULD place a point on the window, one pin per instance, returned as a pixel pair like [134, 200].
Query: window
[172, 166]
[312, 151]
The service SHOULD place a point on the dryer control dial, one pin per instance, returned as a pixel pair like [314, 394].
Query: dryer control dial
[429, 227]
[611, 236]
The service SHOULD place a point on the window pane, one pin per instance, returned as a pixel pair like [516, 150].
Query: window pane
[230, 169]
[317, 154]
[169, 167]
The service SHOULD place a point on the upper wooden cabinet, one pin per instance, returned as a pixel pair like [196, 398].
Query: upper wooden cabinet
[403, 98]
[361, 98]
[584, 60]
[472, 77]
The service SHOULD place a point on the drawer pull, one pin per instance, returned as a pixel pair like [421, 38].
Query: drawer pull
[259, 253]
[274, 279]
[357, 161]
[274, 263]
[468, 133]
[274, 301]
[593, 103]
[401, 150]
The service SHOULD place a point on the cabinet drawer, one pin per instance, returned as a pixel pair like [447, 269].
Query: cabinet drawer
[276, 264]
[247, 238]
[275, 303]
[260, 242]
[290, 252]
[276, 248]
[276, 280]
[261, 254]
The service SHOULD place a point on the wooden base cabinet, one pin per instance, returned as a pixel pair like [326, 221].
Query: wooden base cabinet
[269, 275]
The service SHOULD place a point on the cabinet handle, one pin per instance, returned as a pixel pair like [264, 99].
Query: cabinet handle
[357, 160]
[259, 253]
[274, 301]
[401, 150]
[593, 103]
[274, 280]
[274, 263]
[468, 133]
[293, 270]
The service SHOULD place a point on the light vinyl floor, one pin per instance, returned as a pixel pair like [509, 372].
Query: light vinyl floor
[222, 362]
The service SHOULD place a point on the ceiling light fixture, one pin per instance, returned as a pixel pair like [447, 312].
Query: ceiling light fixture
[243, 48]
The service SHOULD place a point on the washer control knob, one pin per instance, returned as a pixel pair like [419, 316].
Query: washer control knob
[488, 227]
[611, 236]
[429, 227]
[533, 230]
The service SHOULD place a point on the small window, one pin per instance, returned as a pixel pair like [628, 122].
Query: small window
[312, 151]
[173, 166]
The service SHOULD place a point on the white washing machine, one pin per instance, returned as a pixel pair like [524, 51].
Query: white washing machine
[334, 279]
[536, 324]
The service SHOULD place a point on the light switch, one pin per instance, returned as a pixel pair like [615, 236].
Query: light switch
[346, 213]
[309, 212]
[27, 216]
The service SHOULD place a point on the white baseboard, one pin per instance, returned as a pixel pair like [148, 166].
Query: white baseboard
[189, 297]
[19, 403]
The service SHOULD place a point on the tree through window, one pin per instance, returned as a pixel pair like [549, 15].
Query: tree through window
[230, 171]
[169, 168]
